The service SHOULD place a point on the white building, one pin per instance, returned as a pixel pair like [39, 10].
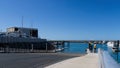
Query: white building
[22, 32]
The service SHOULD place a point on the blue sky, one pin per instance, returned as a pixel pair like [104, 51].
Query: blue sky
[64, 19]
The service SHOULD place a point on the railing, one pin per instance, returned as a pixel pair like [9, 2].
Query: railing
[18, 39]
[101, 59]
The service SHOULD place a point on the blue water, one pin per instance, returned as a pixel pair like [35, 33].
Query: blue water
[80, 48]
[76, 48]
[114, 54]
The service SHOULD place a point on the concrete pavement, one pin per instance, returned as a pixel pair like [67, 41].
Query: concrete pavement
[91, 60]
[32, 60]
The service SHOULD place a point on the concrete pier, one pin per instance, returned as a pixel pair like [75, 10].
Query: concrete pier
[91, 60]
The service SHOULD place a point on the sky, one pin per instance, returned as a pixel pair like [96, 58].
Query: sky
[64, 19]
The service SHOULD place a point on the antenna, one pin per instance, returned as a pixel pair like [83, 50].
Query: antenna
[31, 23]
[22, 22]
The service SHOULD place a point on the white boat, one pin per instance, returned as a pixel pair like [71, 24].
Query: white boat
[110, 44]
[59, 49]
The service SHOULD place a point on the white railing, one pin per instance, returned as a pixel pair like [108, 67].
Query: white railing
[101, 59]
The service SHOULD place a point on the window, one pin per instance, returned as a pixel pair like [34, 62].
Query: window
[16, 29]
[34, 33]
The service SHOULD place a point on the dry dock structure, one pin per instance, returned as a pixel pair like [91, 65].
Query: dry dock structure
[19, 39]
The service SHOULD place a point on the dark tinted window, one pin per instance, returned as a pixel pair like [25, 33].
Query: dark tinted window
[16, 29]
[34, 33]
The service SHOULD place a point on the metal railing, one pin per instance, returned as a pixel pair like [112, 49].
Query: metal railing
[101, 59]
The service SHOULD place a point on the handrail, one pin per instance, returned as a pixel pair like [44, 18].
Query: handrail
[101, 59]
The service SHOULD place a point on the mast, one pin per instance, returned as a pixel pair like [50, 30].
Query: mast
[22, 22]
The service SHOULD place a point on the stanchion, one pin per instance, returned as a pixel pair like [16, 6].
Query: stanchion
[46, 47]
[118, 50]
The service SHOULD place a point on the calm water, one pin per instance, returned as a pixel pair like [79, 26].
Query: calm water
[80, 48]
[76, 48]
[114, 54]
